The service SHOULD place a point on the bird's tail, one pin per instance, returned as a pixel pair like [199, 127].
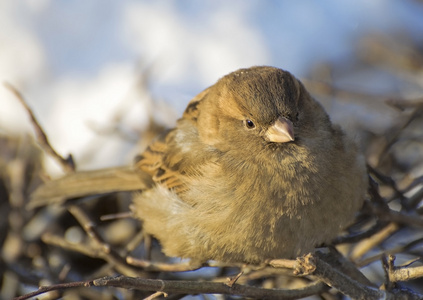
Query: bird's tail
[87, 183]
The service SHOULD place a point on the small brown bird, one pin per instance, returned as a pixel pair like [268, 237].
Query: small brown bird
[253, 170]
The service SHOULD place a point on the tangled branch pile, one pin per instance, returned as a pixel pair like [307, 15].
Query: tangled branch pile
[69, 249]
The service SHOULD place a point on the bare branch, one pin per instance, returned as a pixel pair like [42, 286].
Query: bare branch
[68, 163]
[313, 265]
[195, 287]
[55, 287]
[397, 274]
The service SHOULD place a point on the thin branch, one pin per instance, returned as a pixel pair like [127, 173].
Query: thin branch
[108, 253]
[402, 104]
[395, 133]
[156, 295]
[366, 245]
[334, 258]
[397, 274]
[405, 274]
[414, 200]
[412, 220]
[67, 164]
[163, 267]
[185, 287]
[357, 237]
[284, 263]
[195, 287]
[395, 250]
[55, 287]
[311, 264]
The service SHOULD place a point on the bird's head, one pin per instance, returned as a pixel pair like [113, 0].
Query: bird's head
[256, 107]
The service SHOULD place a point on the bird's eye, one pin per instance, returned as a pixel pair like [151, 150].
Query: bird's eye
[249, 124]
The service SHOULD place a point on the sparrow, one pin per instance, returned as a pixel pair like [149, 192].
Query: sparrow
[254, 170]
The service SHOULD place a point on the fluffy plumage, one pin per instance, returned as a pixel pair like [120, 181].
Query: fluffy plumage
[225, 191]
[253, 170]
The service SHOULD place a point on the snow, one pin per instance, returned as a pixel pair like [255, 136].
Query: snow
[77, 62]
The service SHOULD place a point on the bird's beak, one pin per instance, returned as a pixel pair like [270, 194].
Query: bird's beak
[282, 131]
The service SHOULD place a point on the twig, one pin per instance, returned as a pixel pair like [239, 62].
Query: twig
[268, 272]
[108, 253]
[118, 264]
[366, 245]
[104, 251]
[55, 287]
[356, 237]
[67, 164]
[230, 281]
[348, 286]
[414, 200]
[155, 295]
[374, 187]
[163, 267]
[334, 258]
[284, 263]
[415, 182]
[402, 273]
[402, 104]
[195, 287]
[394, 250]
[185, 287]
[59, 241]
[312, 265]
[135, 241]
[122, 215]
[411, 220]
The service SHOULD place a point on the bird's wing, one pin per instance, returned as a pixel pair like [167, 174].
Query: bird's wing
[165, 160]
[153, 161]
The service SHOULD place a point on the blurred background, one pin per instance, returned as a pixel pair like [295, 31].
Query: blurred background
[103, 77]
[90, 68]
